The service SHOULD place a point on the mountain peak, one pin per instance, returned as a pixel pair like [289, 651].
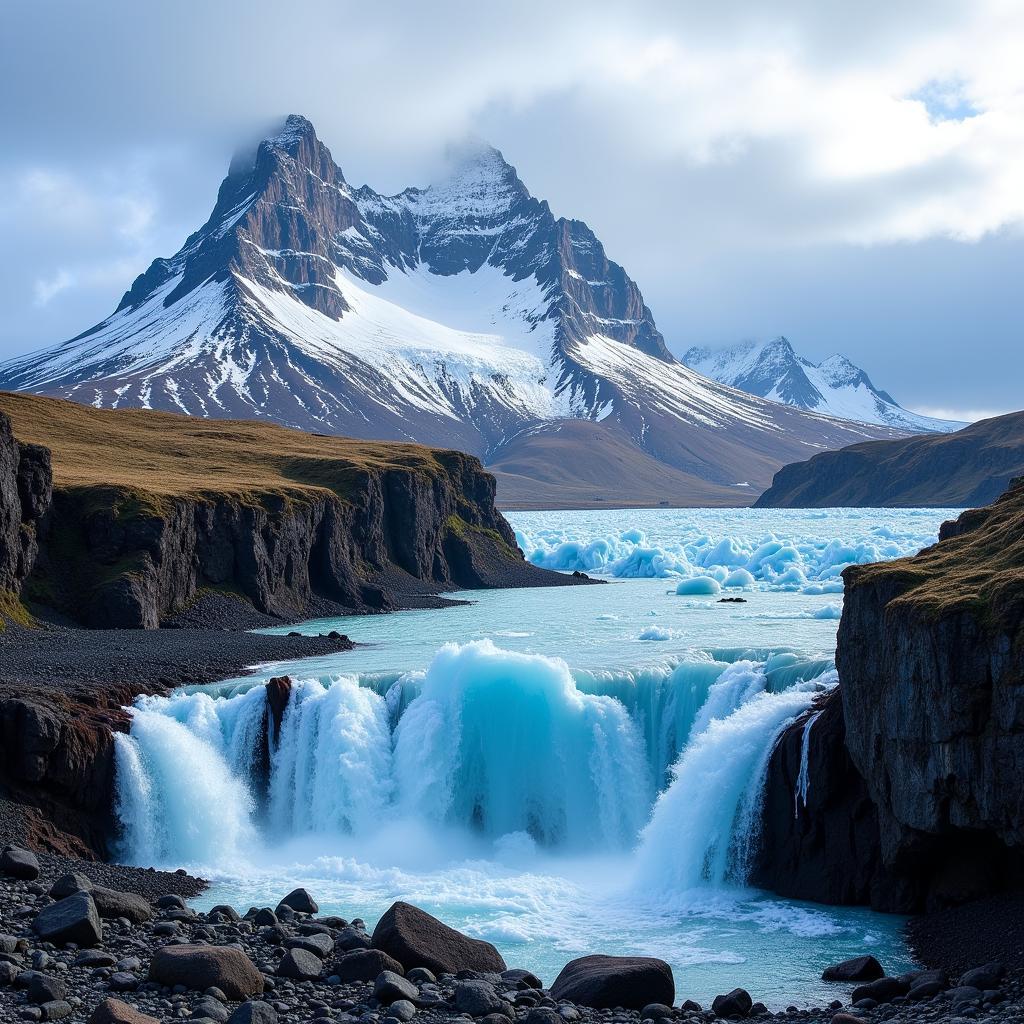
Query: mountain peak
[479, 177]
[833, 387]
[294, 130]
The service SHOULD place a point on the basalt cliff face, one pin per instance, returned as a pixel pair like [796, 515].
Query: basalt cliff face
[915, 800]
[149, 511]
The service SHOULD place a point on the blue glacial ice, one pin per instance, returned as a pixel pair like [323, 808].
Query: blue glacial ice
[736, 549]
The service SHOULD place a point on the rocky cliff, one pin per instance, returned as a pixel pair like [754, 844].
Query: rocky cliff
[970, 467]
[26, 488]
[150, 511]
[915, 764]
[819, 835]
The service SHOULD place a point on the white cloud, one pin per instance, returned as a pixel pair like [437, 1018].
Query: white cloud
[687, 135]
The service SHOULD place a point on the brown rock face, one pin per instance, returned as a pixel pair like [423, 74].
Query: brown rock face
[202, 967]
[113, 1011]
[931, 657]
[971, 467]
[416, 939]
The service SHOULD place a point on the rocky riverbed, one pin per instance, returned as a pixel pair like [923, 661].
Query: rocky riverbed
[117, 945]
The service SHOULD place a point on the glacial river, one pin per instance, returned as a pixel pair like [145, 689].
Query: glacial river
[560, 771]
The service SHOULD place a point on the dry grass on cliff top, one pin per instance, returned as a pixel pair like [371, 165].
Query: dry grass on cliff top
[169, 455]
[980, 568]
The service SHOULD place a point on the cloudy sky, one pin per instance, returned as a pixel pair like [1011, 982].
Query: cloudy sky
[849, 175]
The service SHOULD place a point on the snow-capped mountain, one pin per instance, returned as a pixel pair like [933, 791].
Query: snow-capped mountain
[464, 314]
[834, 387]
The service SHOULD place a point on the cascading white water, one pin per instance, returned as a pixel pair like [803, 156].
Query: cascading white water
[703, 824]
[803, 781]
[489, 741]
[331, 769]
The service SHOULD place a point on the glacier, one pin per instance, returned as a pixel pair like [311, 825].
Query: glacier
[705, 549]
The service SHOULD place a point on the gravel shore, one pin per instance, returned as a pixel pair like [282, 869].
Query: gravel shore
[296, 961]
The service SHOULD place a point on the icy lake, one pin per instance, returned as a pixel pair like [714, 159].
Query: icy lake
[561, 771]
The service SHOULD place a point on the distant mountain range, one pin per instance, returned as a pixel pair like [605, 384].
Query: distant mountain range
[970, 467]
[835, 387]
[464, 315]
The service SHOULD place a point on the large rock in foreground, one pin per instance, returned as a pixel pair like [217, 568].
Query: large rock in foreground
[604, 982]
[74, 919]
[113, 903]
[113, 1011]
[416, 939]
[202, 967]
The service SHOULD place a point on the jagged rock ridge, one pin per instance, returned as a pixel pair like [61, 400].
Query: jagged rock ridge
[458, 315]
[834, 387]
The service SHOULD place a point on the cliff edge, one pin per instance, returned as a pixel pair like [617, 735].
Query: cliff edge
[147, 512]
[915, 763]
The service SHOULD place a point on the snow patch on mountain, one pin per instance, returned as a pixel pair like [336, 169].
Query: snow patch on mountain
[834, 387]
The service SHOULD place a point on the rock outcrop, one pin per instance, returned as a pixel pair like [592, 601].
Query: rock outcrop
[970, 467]
[146, 512]
[26, 489]
[931, 658]
[915, 763]
[820, 841]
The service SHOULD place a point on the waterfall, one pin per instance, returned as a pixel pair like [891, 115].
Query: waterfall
[495, 743]
[803, 781]
[701, 827]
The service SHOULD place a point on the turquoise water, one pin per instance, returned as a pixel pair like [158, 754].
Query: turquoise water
[560, 771]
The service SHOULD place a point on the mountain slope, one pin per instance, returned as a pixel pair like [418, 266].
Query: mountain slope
[970, 467]
[834, 387]
[458, 315]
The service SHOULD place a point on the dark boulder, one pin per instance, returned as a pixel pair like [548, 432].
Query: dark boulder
[113, 1011]
[56, 1009]
[70, 883]
[605, 982]
[255, 1011]
[982, 977]
[858, 968]
[736, 1003]
[351, 938]
[18, 863]
[657, 1011]
[390, 987]
[416, 939]
[479, 999]
[300, 901]
[319, 945]
[364, 965]
[73, 919]
[226, 911]
[112, 903]
[202, 967]
[300, 964]
[42, 988]
[519, 978]
[883, 990]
